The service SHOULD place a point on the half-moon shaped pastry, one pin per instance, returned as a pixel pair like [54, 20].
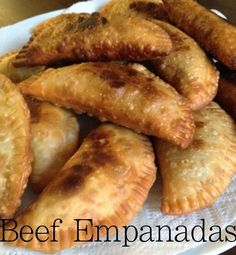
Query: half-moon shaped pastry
[14, 147]
[186, 68]
[226, 95]
[195, 177]
[92, 37]
[213, 33]
[16, 74]
[127, 95]
[107, 181]
[54, 139]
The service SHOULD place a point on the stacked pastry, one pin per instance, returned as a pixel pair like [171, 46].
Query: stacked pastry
[130, 66]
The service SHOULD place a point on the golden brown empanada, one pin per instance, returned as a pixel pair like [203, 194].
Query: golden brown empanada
[107, 181]
[91, 37]
[195, 177]
[14, 147]
[186, 68]
[54, 139]
[126, 95]
[16, 74]
[212, 32]
[226, 95]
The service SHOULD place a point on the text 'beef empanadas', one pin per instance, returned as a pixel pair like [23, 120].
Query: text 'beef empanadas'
[14, 147]
[107, 181]
[124, 94]
[54, 139]
[195, 177]
[92, 37]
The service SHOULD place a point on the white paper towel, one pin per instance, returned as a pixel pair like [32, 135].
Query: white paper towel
[222, 213]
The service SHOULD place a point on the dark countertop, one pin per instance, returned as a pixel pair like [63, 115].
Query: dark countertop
[12, 11]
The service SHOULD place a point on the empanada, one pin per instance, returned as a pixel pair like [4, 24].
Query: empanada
[226, 95]
[92, 37]
[212, 32]
[107, 181]
[195, 177]
[16, 74]
[14, 147]
[186, 68]
[126, 95]
[54, 139]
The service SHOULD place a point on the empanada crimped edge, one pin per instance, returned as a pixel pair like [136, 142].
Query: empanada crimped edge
[16, 74]
[74, 37]
[195, 177]
[14, 147]
[123, 94]
[107, 180]
[187, 68]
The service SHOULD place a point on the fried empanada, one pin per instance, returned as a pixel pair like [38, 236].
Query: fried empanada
[226, 95]
[127, 95]
[186, 68]
[14, 147]
[92, 37]
[16, 74]
[54, 139]
[212, 32]
[195, 177]
[107, 181]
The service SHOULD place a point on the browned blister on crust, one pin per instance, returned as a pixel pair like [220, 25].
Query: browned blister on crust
[126, 95]
[186, 68]
[107, 180]
[212, 32]
[195, 177]
[150, 8]
[54, 139]
[16, 74]
[14, 147]
[92, 37]
[226, 95]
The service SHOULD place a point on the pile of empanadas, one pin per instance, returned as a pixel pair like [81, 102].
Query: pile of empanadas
[129, 66]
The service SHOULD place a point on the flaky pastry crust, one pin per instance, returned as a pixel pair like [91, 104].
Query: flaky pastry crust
[14, 147]
[226, 95]
[54, 139]
[186, 68]
[195, 177]
[107, 180]
[13, 73]
[212, 32]
[124, 94]
[92, 37]
[151, 8]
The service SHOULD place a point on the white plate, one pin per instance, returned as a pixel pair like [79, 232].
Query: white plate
[13, 37]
